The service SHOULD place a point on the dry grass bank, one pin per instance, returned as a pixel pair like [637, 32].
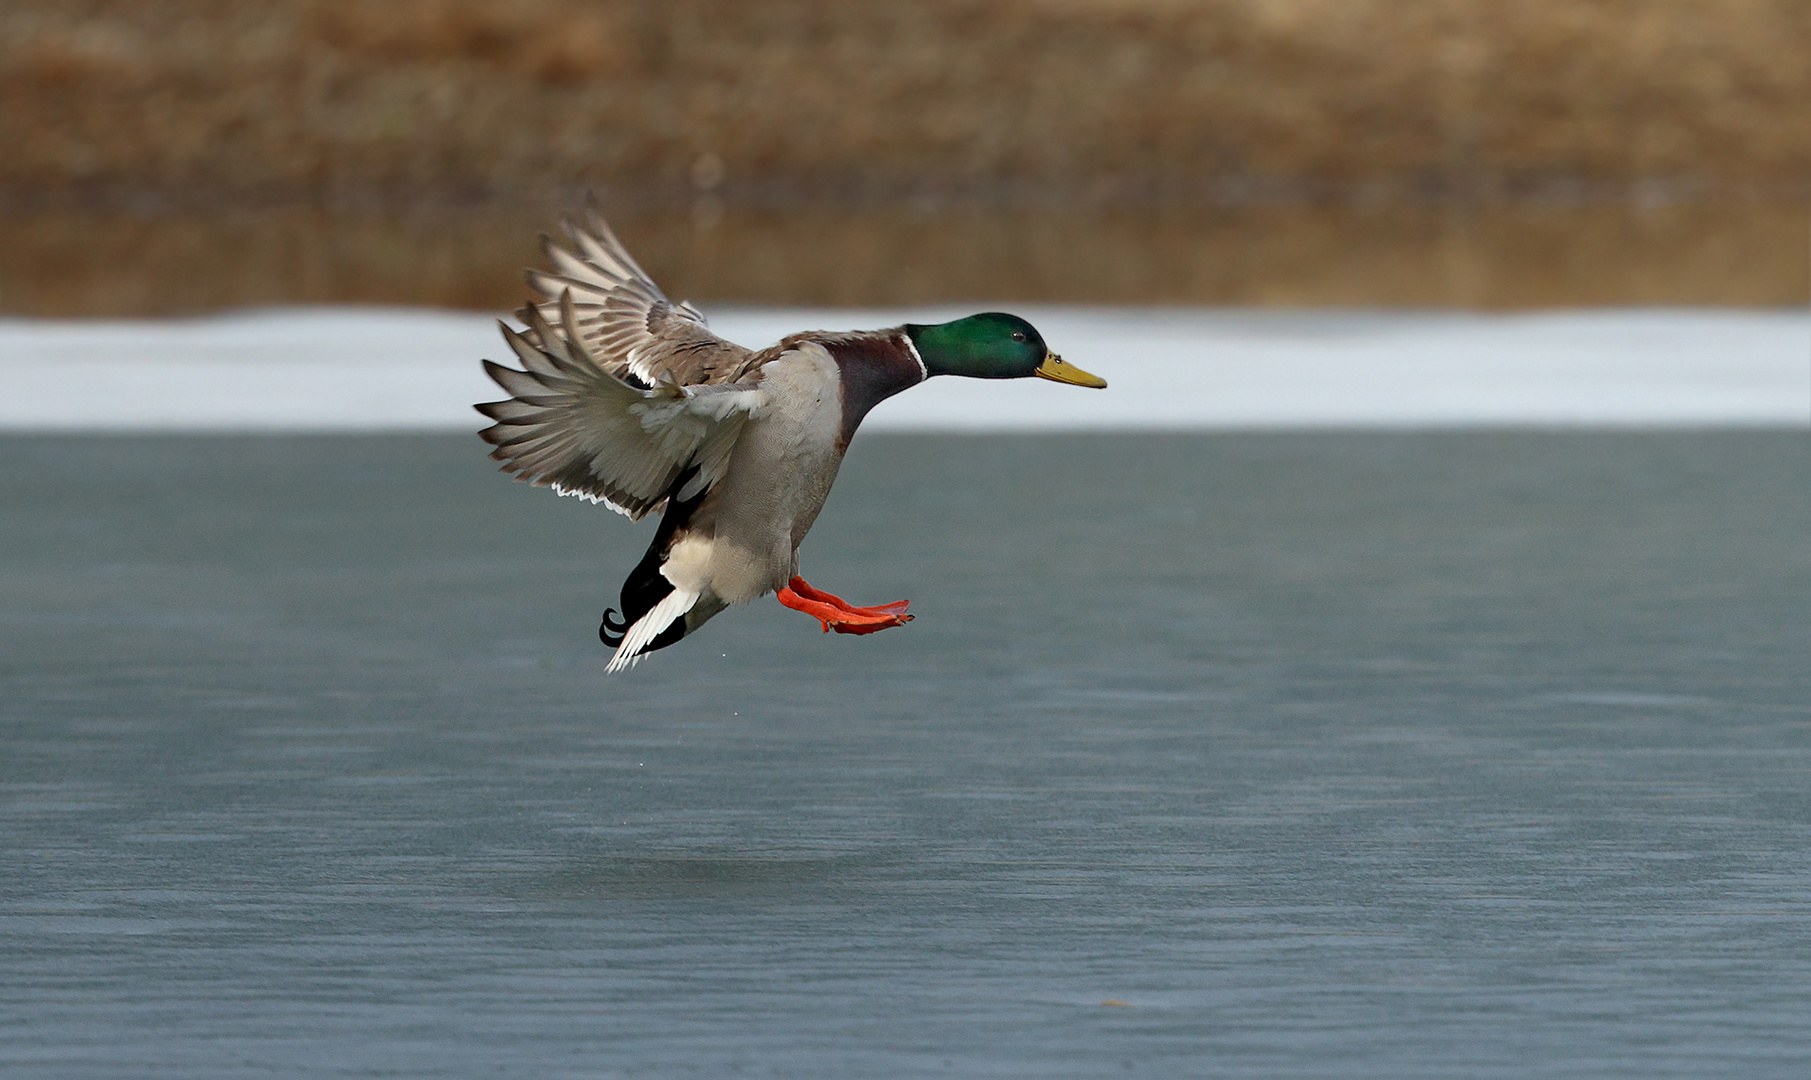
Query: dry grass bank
[1013, 100]
[84, 263]
[166, 155]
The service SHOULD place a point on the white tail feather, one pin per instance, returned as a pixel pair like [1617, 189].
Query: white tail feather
[674, 605]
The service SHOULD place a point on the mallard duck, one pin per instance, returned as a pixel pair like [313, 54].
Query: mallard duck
[628, 399]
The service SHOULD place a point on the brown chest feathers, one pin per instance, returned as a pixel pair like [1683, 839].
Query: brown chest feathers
[874, 366]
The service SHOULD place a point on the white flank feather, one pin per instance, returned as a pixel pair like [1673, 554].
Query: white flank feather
[649, 626]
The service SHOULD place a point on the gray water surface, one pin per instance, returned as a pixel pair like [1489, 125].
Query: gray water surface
[1427, 755]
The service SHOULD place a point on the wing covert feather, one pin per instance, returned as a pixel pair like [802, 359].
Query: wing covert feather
[572, 424]
[632, 329]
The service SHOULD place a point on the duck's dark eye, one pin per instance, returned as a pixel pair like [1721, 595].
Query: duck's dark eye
[1018, 335]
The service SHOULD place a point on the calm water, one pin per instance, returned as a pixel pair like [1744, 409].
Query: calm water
[1478, 755]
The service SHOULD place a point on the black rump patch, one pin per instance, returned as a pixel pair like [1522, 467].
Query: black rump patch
[646, 586]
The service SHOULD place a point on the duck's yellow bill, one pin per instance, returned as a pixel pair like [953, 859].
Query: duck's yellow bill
[1054, 369]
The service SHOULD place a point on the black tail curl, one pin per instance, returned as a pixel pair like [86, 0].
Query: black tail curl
[611, 632]
[646, 586]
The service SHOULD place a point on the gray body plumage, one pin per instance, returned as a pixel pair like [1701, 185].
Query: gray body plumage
[628, 399]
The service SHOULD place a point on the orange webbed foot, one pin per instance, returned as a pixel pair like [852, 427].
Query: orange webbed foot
[835, 613]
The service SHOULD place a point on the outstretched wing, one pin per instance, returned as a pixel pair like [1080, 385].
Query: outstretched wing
[634, 331]
[573, 425]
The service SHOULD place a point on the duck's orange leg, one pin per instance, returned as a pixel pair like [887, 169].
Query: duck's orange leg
[811, 592]
[838, 614]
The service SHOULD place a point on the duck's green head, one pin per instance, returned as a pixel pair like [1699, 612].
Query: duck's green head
[993, 345]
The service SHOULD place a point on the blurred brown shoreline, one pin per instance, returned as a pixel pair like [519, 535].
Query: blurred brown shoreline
[67, 263]
[169, 156]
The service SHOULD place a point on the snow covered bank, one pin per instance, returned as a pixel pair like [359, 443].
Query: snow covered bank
[361, 369]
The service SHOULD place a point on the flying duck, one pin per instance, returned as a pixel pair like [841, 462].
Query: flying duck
[628, 399]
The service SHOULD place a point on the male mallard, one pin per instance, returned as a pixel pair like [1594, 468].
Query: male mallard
[629, 400]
